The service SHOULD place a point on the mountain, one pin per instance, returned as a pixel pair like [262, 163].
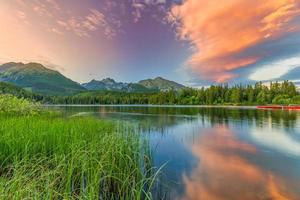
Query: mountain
[105, 84]
[149, 85]
[37, 78]
[109, 84]
[161, 84]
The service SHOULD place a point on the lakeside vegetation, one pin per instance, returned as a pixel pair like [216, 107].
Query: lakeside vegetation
[45, 156]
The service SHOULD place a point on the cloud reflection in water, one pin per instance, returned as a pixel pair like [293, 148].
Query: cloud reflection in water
[225, 171]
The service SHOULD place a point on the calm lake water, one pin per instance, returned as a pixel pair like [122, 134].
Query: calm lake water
[217, 153]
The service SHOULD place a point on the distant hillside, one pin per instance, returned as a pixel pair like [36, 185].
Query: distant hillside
[161, 84]
[109, 84]
[8, 88]
[37, 78]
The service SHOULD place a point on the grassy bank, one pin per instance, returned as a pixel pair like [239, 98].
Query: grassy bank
[44, 156]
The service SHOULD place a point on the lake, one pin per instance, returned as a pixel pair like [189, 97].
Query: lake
[216, 153]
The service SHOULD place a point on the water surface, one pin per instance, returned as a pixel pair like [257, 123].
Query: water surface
[217, 153]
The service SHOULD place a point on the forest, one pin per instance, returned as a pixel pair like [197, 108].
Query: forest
[277, 93]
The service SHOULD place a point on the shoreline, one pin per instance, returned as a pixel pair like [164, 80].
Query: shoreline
[255, 107]
[148, 105]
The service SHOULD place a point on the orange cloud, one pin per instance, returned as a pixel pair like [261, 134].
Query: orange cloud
[222, 31]
[223, 173]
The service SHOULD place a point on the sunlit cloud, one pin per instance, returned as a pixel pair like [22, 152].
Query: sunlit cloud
[224, 32]
[83, 24]
[54, 4]
[275, 70]
[54, 30]
[137, 13]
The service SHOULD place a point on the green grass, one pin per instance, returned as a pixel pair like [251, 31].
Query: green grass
[44, 156]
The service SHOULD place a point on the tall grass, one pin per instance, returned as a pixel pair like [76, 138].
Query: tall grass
[48, 157]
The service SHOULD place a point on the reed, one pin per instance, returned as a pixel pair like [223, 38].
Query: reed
[49, 157]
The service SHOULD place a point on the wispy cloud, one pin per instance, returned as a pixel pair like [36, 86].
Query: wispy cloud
[54, 30]
[22, 17]
[140, 6]
[138, 9]
[84, 26]
[62, 20]
[224, 32]
[275, 70]
[54, 4]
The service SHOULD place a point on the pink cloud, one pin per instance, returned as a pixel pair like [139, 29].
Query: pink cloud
[96, 17]
[84, 26]
[54, 30]
[221, 31]
[54, 4]
[60, 20]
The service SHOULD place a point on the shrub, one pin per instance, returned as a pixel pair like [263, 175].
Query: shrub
[11, 105]
[296, 99]
[282, 100]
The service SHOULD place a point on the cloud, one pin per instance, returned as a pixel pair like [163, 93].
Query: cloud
[83, 26]
[96, 17]
[22, 17]
[139, 6]
[54, 30]
[59, 19]
[54, 4]
[275, 70]
[138, 9]
[223, 33]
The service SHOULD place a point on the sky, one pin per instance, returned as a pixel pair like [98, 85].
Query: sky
[193, 42]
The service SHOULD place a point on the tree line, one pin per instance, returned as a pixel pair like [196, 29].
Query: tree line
[277, 93]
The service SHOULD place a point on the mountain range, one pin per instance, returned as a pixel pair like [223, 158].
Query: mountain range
[156, 84]
[37, 78]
